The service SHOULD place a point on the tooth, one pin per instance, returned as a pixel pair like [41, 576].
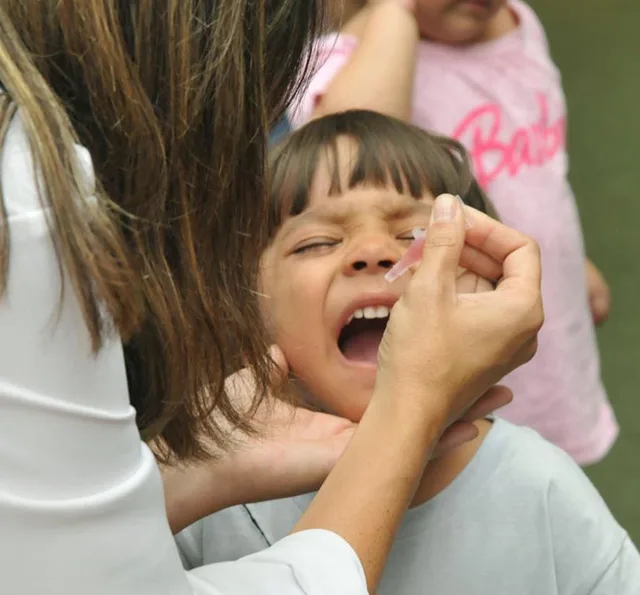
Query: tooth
[382, 312]
[358, 313]
[350, 319]
[369, 312]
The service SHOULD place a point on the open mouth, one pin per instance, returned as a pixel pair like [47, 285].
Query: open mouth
[360, 337]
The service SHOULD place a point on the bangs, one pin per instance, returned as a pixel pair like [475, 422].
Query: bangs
[359, 149]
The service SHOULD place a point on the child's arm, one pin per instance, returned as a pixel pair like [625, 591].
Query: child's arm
[599, 293]
[379, 74]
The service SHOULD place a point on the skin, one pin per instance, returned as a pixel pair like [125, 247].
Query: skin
[446, 21]
[463, 21]
[312, 277]
[321, 266]
[599, 293]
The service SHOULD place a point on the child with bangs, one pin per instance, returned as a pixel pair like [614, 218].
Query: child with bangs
[347, 192]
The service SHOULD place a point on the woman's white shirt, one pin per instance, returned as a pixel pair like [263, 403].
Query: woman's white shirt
[81, 502]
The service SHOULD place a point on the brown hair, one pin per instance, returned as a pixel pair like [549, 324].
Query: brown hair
[173, 99]
[388, 152]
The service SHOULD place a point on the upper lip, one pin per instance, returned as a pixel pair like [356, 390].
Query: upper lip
[362, 301]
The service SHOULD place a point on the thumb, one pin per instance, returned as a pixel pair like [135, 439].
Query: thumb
[455, 435]
[443, 246]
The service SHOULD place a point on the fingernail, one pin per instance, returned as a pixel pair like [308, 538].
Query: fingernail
[444, 209]
[468, 219]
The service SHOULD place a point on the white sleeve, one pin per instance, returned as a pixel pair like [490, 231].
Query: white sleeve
[622, 576]
[312, 562]
[81, 503]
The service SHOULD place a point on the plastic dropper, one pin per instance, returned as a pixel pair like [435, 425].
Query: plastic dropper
[413, 255]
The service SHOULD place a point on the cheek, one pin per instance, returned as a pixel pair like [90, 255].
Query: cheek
[445, 23]
[295, 313]
[432, 13]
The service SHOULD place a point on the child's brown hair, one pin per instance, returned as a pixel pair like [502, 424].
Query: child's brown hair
[389, 152]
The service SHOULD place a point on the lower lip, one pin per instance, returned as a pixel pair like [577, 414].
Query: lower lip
[365, 367]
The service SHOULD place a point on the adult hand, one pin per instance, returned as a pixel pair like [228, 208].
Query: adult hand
[497, 397]
[295, 448]
[598, 292]
[439, 342]
[292, 453]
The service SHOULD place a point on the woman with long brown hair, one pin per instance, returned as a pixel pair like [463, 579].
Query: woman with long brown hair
[132, 137]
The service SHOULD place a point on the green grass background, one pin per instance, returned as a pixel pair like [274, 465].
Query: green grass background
[596, 44]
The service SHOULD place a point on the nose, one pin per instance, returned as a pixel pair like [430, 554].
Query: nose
[373, 255]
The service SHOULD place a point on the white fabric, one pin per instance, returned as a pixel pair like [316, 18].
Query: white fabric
[521, 519]
[81, 502]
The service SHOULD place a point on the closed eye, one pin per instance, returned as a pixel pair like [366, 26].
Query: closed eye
[315, 245]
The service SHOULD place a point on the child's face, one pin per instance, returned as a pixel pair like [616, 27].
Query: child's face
[325, 268]
[456, 21]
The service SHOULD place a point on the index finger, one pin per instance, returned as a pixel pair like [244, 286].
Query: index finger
[493, 238]
[518, 254]
[522, 267]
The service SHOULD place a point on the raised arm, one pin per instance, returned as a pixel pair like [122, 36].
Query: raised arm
[378, 74]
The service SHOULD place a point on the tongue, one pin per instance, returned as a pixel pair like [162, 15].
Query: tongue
[363, 346]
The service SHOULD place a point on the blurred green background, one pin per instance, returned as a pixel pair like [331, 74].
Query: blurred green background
[597, 47]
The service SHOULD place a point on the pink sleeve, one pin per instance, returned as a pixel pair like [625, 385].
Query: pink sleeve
[331, 53]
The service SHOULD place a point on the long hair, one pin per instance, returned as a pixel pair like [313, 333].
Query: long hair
[173, 99]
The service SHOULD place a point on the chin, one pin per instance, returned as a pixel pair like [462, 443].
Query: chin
[460, 36]
[352, 400]
[345, 399]
[465, 36]
[353, 414]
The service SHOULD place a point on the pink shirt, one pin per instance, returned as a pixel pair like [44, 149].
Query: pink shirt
[503, 99]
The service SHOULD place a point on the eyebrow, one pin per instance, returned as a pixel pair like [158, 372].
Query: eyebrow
[293, 223]
[337, 216]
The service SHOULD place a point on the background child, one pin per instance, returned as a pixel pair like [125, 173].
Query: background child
[480, 71]
[346, 192]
